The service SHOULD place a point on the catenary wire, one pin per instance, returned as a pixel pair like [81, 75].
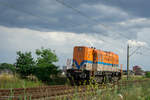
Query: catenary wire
[86, 16]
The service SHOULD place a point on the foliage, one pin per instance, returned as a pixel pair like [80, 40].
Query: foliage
[132, 77]
[45, 67]
[24, 63]
[58, 81]
[7, 66]
[44, 73]
[147, 74]
[45, 57]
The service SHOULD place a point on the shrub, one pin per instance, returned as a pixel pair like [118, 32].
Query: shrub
[46, 73]
[7, 66]
[147, 74]
[25, 63]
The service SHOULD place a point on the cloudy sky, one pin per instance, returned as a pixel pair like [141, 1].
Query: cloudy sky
[108, 25]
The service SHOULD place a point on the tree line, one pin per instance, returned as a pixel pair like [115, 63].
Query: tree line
[42, 67]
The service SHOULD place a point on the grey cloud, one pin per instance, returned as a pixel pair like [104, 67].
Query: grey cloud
[49, 15]
[109, 24]
[138, 8]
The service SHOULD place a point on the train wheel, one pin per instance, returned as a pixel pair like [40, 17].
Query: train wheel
[110, 79]
[72, 81]
[114, 79]
[105, 79]
[77, 82]
[98, 79]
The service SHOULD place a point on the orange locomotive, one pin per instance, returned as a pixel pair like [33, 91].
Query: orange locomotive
[90, 62]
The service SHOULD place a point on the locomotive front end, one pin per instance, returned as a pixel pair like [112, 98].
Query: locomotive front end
[82, 64]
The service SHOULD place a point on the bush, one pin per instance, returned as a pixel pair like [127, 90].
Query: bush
[42, 73]
[25, 63]
[8, 67]
[45, 69]
[147, 74]
[45, 73]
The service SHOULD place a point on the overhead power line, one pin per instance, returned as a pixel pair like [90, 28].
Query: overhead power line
[38, 16]
[82, 14]
[86, 16]
[28, 13]
[134, 51]
[63, 3]
[75, 9]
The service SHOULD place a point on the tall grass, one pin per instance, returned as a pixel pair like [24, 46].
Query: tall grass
[13, 81]
[138, 91]
[133, 77]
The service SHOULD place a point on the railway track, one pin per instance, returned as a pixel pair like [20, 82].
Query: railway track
[55, 92]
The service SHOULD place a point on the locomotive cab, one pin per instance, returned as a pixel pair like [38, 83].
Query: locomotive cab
[82, 64]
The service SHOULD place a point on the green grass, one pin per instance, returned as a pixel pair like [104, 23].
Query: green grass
[130, 92]
[11, 81]
[138, 91]
[133, 77]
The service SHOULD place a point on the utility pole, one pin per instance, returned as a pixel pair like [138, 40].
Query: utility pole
[128, 61]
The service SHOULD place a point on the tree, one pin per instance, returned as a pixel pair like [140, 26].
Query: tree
[44, 73]
[45, 67]
[8, 67]
[45, 57]
[25, 63]
[147, 74]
